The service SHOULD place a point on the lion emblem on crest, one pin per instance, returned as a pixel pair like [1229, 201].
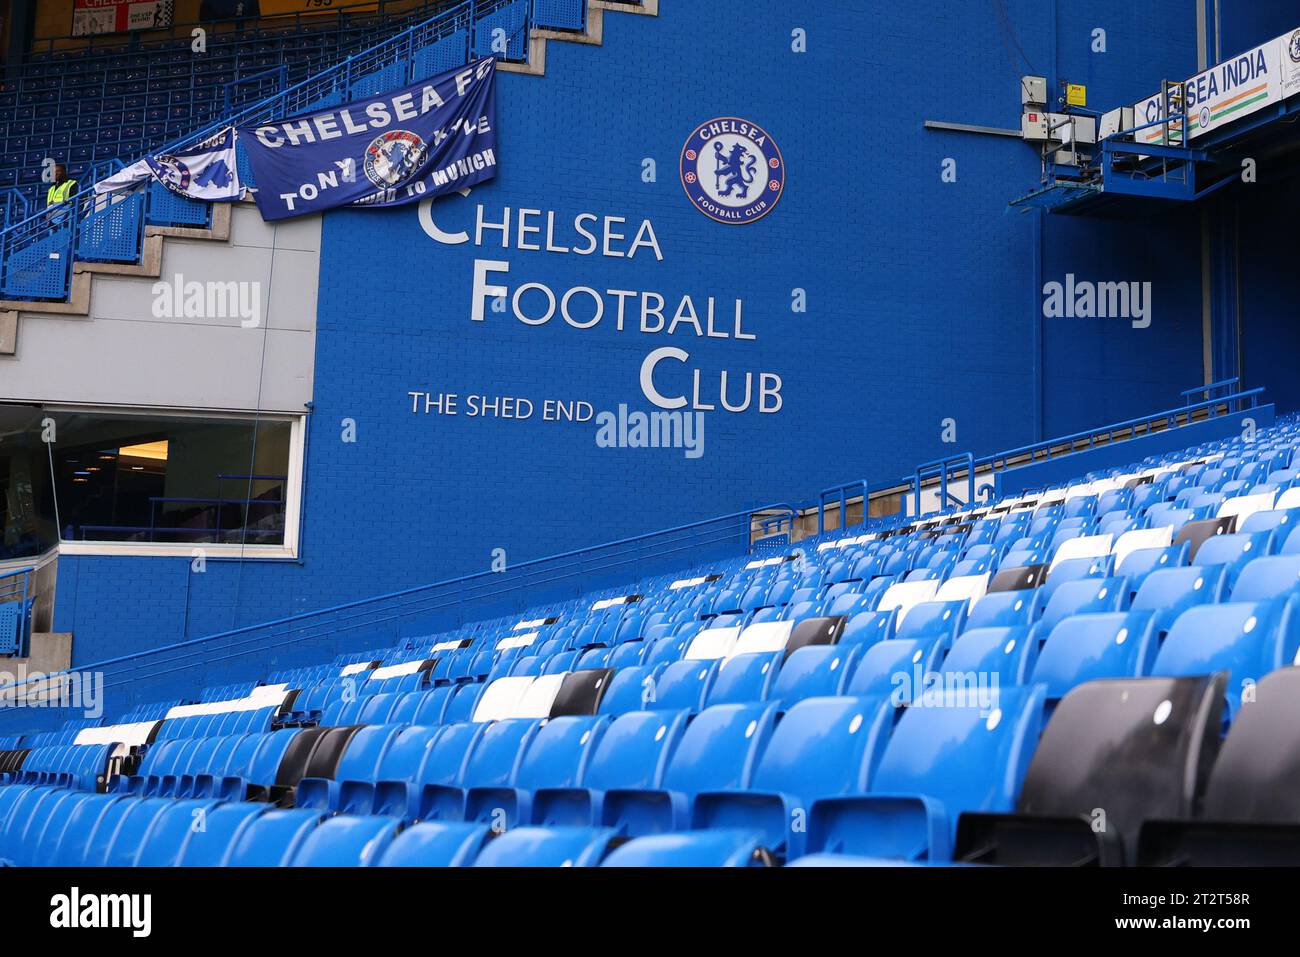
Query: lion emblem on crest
[733, 169]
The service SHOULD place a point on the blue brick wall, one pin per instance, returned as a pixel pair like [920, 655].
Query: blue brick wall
[923, 299]
[1261, 216]
[1248, 23]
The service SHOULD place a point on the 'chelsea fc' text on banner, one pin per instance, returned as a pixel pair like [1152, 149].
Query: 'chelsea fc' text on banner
[413, 143]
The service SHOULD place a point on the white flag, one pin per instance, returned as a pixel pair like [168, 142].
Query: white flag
[207, 171]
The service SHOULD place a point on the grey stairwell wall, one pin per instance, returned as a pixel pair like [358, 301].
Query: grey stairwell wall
[122, 354]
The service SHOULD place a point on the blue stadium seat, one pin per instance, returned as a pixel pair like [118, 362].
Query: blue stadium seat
[1092, 646]
[718, 751]
[631, 689]
[430, 844]
[556, 758]
[1268, 577]
[1005, 652]
[209, 846]
[713, 848]
[682, 685]
[548, 847]
[868, 627]
[1140, 563]
[814, 671]
[890, 669]
[633, 754]
[744, 678]
[940, 763]
[1005, 609]
[1245, 639]
[490, 762]
[346, 842]
[1168, 592]
[1080, 597]
[1232, 552]
[939, 621]
[823, 747]
[272, 839]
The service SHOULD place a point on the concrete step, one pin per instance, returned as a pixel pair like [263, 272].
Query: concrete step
[593, 35]
[51, 652]
[8, 333]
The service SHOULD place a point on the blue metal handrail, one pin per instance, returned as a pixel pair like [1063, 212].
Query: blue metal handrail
[16, 586]
[1001, 460]
[14, 206]
[842, 490]
[1050, 448]
[249, 645]
[941, 468]
[9, 589]
[1209, 389]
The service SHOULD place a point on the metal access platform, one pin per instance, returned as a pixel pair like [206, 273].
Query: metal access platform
[1131, 172]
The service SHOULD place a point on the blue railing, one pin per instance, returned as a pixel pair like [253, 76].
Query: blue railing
[1230, 399]
[39, 250]
[842, 491]
[1107, 434]
[943, 468]
[16, 599]
[1228, 386]
[318, 636]
[14, 207]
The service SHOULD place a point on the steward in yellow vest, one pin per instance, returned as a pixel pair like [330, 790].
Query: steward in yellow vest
[63, 189]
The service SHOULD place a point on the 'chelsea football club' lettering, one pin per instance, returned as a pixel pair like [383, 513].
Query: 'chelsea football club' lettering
[669, 379]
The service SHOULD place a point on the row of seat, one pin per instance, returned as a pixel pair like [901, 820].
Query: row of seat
[726, 699]
[833, 776]
[50, 827]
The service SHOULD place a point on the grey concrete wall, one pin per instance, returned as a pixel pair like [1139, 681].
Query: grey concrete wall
[123, 354]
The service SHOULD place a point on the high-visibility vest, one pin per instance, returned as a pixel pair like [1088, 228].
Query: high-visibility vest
[59, 192]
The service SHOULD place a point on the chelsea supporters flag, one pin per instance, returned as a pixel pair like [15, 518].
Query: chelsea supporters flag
[207, 170]
[432, 137]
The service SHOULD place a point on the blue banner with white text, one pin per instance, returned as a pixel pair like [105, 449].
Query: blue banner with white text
[423, 140]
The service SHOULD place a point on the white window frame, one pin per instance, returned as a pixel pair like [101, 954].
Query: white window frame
[215, 550]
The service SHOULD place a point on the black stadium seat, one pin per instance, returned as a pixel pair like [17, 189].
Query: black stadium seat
[1115, 754]
[1251, 811]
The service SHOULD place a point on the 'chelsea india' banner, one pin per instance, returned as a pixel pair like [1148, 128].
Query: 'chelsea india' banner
[432, 137]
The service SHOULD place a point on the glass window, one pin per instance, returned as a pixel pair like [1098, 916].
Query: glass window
[158, 479]
[27, 526]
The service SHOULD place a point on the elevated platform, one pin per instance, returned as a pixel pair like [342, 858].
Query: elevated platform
[1142, 170]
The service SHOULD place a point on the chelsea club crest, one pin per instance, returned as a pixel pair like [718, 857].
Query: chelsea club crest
[173, 174]
[393, 156]
[732, 170]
